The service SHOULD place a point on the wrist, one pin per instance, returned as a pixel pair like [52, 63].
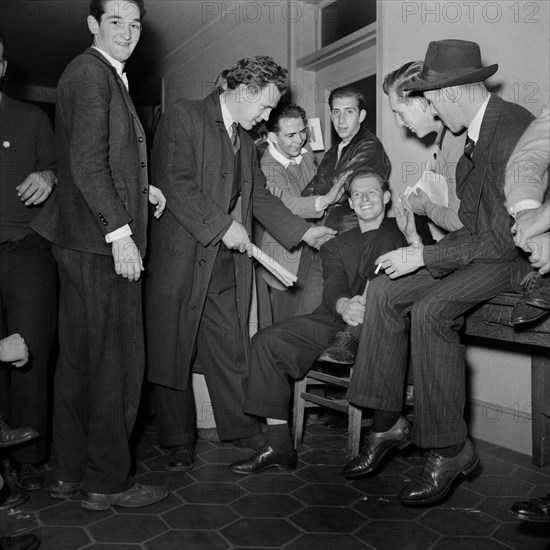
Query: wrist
[341, 304]
[321, 203]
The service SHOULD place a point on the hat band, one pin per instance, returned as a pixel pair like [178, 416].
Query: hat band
[430, 74]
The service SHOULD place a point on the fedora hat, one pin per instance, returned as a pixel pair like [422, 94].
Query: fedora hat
[451, 63]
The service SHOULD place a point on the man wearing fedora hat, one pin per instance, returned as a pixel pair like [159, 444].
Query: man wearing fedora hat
[423, 311]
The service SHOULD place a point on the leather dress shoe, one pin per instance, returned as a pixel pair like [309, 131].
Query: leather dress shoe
[343, 350]
[12, 496]
[376, 446]
[253, 442]
[137, 496]
[538, 292]
[534, 509]
[20, 542]
[180, 458]
[65, 489]
[30, 477]
[535, 302]
[436, 479]
[265, 458]
[15, 436]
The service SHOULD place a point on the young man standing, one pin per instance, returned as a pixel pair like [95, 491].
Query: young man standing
[98, 226]
[199, 282]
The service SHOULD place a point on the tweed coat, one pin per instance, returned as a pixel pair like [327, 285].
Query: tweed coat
[102, 160]
[193, 164]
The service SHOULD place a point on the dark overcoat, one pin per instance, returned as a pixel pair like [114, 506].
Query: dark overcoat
[193, 164]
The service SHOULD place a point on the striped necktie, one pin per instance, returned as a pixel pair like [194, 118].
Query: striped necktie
[469, 148]
[235, 140]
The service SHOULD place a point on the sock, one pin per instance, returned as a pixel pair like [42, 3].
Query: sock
[384, 420]
[451, 451]
[278, 436]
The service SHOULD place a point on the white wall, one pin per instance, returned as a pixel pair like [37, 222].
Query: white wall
[514, 34]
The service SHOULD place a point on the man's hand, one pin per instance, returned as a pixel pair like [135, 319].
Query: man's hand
[336, 191]
[156, 196]
[275, 190]
[37, 187]
[405, 219]
[236, 238]
[530, 223]
[420, 202]
[402, 261]
[539, 249]
[128, 261]
[352, 310]
[318, 235]
[14, 350]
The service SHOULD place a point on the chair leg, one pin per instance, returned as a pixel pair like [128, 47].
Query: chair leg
[299, 411]
[354, 429]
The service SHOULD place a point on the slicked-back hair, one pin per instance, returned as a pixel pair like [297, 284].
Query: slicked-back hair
[97, 8]
[282, 112]
[369, 173]
[406, 74]
[348, 91]
[257, 72]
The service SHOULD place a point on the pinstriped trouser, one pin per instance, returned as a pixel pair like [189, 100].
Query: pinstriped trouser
[420, 315]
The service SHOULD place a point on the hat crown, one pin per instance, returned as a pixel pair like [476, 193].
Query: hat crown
[448, 55]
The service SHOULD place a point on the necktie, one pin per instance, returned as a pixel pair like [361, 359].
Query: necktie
[235, 140]
[469, 147]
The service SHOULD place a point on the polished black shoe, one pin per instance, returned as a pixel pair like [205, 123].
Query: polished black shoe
[180, 458]
[436, 479]
[265, 458]
[253, 442]
[534, 509]
[12, 496]
[137, 496]
[65, 489]
[376, 446]
[9, 436]
[30, 477]
[538, 291]
[20, 542]
[343, 350]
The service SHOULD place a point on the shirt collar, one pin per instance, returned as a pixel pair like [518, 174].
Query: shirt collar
[280, 158]
[475, 126]
[227, 118]
[119, 67]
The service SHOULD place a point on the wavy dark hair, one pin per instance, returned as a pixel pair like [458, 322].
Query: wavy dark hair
[97, 8]
[282, 112]
[257, 72]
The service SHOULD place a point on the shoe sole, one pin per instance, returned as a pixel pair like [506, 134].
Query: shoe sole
[277, 466]
[20, 440]
[98, 506]
[466, 471]
[15, 503]
[526, 517]
[326, 359]
[401, 445]
[541, 305]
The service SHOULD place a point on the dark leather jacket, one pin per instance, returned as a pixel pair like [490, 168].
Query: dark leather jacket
[363, 151]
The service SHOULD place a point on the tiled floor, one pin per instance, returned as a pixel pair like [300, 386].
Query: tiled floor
[314, 507]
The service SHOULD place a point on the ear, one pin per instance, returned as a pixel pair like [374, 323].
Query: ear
[362, 115]
[93, 25]
[386, 197]
[272, 137]
[350, 203]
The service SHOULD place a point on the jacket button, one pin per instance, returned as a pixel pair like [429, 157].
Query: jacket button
[140, 139]
[202, 262]
[144, 191]
[224, 174]
[143, 165]
[104, 222]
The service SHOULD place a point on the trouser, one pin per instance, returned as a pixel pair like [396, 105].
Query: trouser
[28, 306]
[99, 372]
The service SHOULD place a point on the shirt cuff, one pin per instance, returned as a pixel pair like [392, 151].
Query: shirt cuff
[526, 204]
[119, 233]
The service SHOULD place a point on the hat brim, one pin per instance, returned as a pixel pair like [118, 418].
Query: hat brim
[451, 78]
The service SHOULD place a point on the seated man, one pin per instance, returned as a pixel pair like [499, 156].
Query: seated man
[415, 319]
[526, 186]
[289, 348]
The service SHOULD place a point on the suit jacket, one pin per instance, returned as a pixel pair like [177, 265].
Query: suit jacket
[102, 160]
[27, 144]
[193, 164]
[291, 187]
[485, 237]
[363, 151]
[347, 265]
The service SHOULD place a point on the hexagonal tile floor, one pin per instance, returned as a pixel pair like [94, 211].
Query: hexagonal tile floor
[313, 507]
